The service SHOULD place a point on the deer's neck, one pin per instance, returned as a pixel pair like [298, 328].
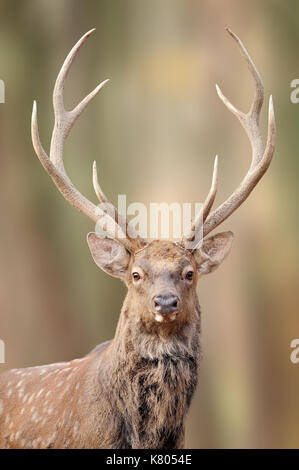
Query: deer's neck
[151, 380]
[132, 338]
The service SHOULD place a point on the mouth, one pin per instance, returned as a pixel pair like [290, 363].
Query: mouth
[164, 318]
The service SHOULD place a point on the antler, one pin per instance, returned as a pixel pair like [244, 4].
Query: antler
[115, 226]
[261, 158]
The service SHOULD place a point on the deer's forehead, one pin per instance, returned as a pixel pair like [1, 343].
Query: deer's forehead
[163, 256]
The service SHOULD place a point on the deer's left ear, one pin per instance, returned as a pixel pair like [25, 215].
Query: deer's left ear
[110, 255]
[213, 251]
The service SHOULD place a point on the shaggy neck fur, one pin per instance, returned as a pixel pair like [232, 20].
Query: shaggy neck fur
[151, 379]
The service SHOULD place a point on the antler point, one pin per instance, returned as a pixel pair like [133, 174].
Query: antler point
[220, 94]
[271, 112]
[90, 32]
[232, 34]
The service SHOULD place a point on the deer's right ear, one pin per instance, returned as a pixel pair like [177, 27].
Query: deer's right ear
[109, 255]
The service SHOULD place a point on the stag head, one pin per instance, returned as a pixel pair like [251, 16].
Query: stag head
[161, 275]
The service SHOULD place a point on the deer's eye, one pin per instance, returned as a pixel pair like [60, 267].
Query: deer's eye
[189, 275]
[136, 276]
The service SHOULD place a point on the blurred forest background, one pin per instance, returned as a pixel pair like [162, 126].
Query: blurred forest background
[154, 131]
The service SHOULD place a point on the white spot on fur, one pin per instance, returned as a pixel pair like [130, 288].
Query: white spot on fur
[50, 439]
[31, 398]
[25, 397]
[158, 318]
[1, 407]
[9, 392]
[76, 427]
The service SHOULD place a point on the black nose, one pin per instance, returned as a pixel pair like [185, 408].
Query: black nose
[166, 303]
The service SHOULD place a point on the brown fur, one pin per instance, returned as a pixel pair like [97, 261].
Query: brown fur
[131, 392]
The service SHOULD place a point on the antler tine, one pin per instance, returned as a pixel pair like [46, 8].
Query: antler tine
[58, 102]
[63, 183]
[261, 158]
[212, 193]
[249, 121]
[207, 205]
[249, 182]
[96, 186]
[64, 120]
[103, 199]
[259, 87]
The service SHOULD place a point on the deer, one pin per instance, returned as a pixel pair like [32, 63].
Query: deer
[134, 391]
